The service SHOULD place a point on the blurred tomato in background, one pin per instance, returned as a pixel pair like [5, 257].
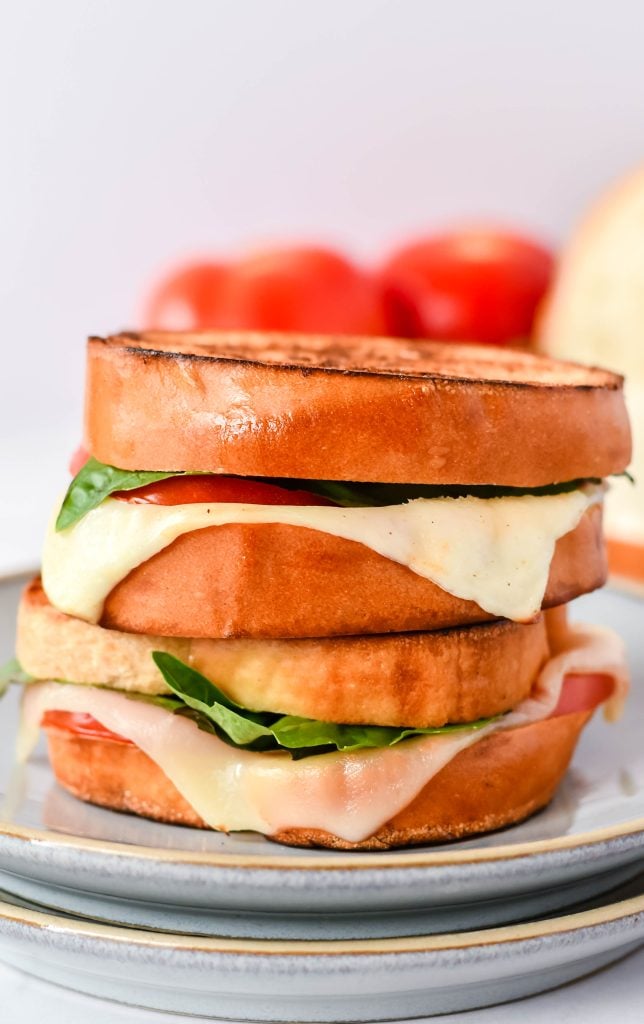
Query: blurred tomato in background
[477, 284]
[188, 298]
[303, 288]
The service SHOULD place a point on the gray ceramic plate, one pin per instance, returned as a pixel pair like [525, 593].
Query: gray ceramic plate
[72, 857]
[361, 980]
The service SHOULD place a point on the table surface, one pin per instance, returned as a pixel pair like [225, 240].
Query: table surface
[615, 993]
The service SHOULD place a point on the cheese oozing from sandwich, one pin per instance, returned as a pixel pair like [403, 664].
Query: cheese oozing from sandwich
[494, 551]
[347, 794]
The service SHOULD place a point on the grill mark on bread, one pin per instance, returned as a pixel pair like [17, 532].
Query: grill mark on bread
[431, 418]
[340, 358]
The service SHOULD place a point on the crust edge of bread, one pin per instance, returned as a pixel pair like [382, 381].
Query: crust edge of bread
[597, 377]
[417, 680]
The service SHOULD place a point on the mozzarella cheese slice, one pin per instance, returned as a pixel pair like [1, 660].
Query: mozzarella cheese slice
[348, 794]
[494, 551]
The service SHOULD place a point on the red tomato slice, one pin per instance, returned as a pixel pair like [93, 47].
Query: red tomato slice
[184, 490]
[80, 724]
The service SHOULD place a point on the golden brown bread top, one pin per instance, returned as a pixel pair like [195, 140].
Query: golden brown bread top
[360, 409]
[367, 355]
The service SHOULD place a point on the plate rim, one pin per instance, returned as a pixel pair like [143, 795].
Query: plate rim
[328, 861]
[549, 928]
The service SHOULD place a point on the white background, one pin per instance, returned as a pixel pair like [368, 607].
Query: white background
[133, 132]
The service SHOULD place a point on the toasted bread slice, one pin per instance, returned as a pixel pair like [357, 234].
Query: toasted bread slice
[497, 782]
[357, 409]
[286, 581]
[416, 679]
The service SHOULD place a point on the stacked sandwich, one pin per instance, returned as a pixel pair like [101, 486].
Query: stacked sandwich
[296, 585]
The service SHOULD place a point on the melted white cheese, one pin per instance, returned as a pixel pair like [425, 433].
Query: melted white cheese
[348, 794]
[494, 551]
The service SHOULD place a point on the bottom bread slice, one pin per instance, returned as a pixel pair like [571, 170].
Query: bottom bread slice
[499, 781]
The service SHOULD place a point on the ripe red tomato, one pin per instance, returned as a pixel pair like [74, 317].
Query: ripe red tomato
[476, 284]
[183, 490]
[187, 298]
[300, 288]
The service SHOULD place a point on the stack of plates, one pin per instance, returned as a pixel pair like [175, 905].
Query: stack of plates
[237, 927]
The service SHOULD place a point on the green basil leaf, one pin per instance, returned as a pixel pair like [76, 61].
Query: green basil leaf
[203, 696]
[12, 672]
[262, 743]
[351, 495]
[95, 482]
[263, 730]
[293, 732]
[196, 698]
